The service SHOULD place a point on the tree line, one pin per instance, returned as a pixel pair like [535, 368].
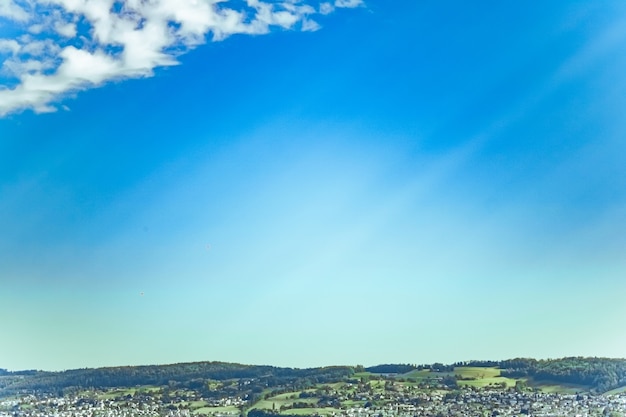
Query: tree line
[183, 374]
[601, 374]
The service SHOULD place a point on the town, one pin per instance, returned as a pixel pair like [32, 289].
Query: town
[382, 396]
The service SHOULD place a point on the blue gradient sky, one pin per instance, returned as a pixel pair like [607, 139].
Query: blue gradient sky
[413, 182]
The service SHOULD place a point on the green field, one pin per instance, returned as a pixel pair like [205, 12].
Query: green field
[616, 391]
[216, 410]
[483, 377]
[473, 376]
[560, 388]
[377, 384]
[287, 395]
[285, 400]
[192, 405]
[419, 374]
[485, 382]
[476, 372]
[311, 411]
[120, 392]
[352, 403]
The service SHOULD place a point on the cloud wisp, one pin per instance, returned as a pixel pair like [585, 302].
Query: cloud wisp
[62, 47]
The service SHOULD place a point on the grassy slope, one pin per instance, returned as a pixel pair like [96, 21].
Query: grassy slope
[120, 392]
[481, 377]
[311, 411]
[216, 410]
[616, 391]
[485, 376]
[283, 400]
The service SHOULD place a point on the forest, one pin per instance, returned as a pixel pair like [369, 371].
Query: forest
[189, 375]
[599, 374]
[602, 374]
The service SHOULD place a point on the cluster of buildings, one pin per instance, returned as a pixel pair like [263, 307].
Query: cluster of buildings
[32, 406]
[498, 403]
[436, 403]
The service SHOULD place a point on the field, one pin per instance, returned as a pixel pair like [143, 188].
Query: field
[312, 411]
[422, 374]
[478, 377]
[485, 382]
[285, 400]
[352, 403]
[476, 372]
[216, 410]
[616, 391]
[558, 387]
[107, 395]
[481, 377]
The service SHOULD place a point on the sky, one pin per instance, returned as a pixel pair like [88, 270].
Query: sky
[303, 183]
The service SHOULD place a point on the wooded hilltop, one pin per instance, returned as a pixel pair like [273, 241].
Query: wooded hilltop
[596, 375]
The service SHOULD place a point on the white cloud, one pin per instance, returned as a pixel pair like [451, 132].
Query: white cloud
[15, 66]
[10, 10]
[326, 8]
[36, 29]
[53, 58]
[310, 25]
[39, 48]
[9, 45]
[65, 29]
[348, 3]
[28, 56]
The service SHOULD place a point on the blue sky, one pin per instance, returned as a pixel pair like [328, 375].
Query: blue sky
[302, 184]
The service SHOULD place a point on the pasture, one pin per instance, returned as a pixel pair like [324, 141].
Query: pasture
[121, 392]
[419, 374]
[485, 382]
[207, 410]
[285, 400]
[560, 388]
[616, 391]
[311, 411]
[475, 372]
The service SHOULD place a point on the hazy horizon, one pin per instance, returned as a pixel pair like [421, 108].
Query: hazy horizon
[284, 366]
[302, 182]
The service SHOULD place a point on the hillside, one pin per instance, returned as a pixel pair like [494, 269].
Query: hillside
[190, 375]
[596, 375]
